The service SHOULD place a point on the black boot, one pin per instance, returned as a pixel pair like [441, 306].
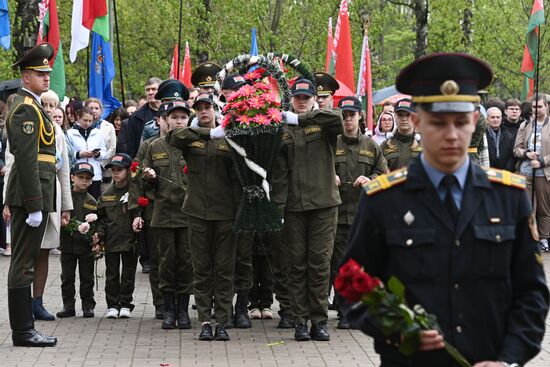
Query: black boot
[66, 312]
[287, 321]
[242, 320]
[183, 312]
[22, 325]
[159, 312]
[300, 332]
[39, 312]
[169, 321]
[319, 332]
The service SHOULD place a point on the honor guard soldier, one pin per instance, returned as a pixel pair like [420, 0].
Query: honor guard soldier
[358, 160]
[304, 187]
[462, 239]
[204, 77]
[326, 87]
[405, 144]
[30, 193]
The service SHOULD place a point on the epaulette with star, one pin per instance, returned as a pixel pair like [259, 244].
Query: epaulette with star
[27, 100]
[384, 182]
[505, 177]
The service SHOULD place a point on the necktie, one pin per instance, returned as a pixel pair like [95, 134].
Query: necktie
[449, 202]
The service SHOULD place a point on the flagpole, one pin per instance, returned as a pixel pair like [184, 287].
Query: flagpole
[179, 42]
[119, 55]
[535, 119]
[88, 69]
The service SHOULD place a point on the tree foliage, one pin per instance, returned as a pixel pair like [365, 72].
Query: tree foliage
[219, 30]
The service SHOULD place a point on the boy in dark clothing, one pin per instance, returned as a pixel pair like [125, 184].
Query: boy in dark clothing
[76, 248]
[115, 232]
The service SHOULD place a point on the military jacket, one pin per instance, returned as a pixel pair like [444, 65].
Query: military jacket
[168, 162]
[115, 221]
[483, 277]
[76, 243]
[304, 174]
[31, 137]
[399, 150]
[213, 188]
[355, 157]
[140, 187]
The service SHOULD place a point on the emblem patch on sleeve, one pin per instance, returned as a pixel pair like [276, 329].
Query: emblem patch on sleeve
[28, 127]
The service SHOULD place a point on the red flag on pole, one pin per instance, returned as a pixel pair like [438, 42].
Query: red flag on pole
[531, 53]
[175, 62]
[186, 72]
[48, 30]
[343, 57]
[364, 84]
[329, 60]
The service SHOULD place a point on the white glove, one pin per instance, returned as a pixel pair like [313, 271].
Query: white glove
[290, 117]
[217, 132]
[34, 219]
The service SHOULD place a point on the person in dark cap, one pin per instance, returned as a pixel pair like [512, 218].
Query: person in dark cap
[75, 247]
[358, 160]
[231, 84]
[30, 192]
[175, 271]
[115, 235]
[326, 87]
[304, 188]
[204, 77]
[405, 144]
[459, 237]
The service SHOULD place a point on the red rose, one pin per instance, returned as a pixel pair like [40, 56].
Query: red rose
[143, 201]
[134, 166]
[361, 283]
[350, 268]
[185, 169]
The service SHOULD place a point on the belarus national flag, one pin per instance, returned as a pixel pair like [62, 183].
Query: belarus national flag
[343, 58]
[364, 84]
[87, 15]
[48, 31]
[329, 58]
[531, 51]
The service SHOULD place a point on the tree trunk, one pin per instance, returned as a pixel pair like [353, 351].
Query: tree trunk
[275, 22]
[25, 26]
[421, 11]
[203, 31]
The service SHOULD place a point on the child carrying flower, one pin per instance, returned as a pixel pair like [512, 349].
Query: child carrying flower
[115, 232]
[76, 247]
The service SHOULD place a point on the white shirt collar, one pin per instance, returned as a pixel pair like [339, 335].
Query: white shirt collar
[36, 96]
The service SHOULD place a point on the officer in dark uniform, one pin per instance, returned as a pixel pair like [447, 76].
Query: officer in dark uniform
[460, 238]
[405, 144]
[204, 77]
[30, 193]
[326, 87]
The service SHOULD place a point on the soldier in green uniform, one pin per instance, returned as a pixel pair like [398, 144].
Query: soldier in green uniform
[210, 203]
[169, 221]
[358, 160]
[326, 87]
[114, 231]
[30, 193]
[77, 249]
[405, 144]
[304, 185]
[204, 77]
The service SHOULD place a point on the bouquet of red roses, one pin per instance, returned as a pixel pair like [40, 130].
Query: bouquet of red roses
[388, 308]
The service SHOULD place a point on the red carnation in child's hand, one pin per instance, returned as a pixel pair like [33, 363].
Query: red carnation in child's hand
[185, 169]
[134, 166]
[143, 201]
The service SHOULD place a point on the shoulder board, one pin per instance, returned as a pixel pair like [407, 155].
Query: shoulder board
[416, 149]
[28, 100]
[197, 144]
[391, 150]
[505, 177]
[384, 182]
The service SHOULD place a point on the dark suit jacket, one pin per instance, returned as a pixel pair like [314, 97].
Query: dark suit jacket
[506, 158]
[482, 278]
[134, 128]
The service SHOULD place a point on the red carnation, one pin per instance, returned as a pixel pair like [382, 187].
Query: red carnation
[185, 169]
[143, 201]
[134, 166]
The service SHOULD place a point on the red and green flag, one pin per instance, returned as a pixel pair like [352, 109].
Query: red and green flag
[95, 17]
[48, 31]
[531, 51]
[329, 59]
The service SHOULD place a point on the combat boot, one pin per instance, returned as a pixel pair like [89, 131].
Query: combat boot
[22, 325]
[169, 321]
[242, 320]
[183, 312]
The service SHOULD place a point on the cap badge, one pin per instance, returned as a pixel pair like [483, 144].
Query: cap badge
[45, 62]
[302, 86]
[450, 88]
[176, 94]
[208, 78]
[320, 87]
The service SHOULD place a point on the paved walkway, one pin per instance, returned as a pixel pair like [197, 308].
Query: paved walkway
[140, 341]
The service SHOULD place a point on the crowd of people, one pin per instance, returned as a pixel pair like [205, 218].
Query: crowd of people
[155, 183]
